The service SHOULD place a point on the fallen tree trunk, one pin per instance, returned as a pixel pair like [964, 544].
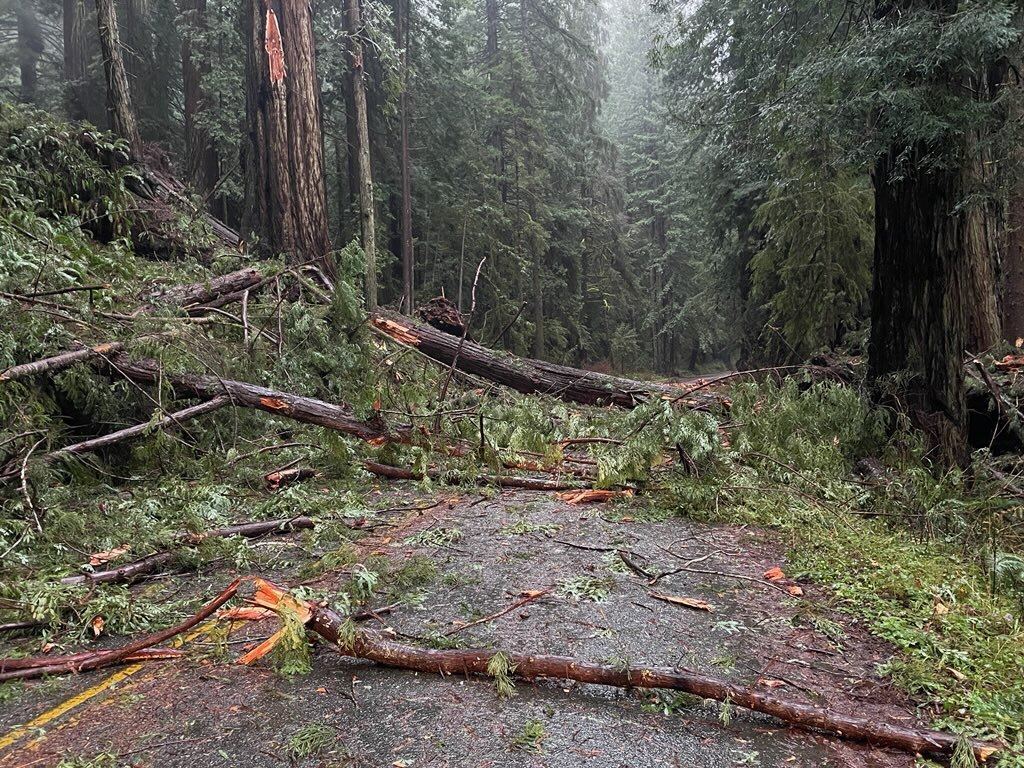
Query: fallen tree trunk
[167, 420]
[117, 655]
[525, 375]
[146, 565]
[307, 410]
[59, 362]
[195, 298]
[502, 481]
[206, 292]
[373, 646]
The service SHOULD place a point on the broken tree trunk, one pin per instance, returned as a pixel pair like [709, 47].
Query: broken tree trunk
[131, 571]
[527, 483]
[525, 375]
[373, 646]
[194, 296]
[307, 410]
[116, 656]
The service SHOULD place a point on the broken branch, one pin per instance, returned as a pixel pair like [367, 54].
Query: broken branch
[117, 655]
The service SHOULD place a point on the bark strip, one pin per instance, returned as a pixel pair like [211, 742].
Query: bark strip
[373, 646]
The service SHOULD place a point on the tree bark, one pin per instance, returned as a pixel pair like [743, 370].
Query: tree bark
[119, 98]
[920, 295]
[202, 163]
[197, 295]
[374, 646]
[403, 34]
[353, 25]
[30, 48]
[525, 375]
[285, 176]
[82, 94]
[1012, 306]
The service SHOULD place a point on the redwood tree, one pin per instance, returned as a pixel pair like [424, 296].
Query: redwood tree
[354, 30]
[119, 97]
[934, 264]
[285, 192]
[202, 165]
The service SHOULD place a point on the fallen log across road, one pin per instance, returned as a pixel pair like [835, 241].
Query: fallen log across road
[502, 481]
[529, 376]
[374, 646]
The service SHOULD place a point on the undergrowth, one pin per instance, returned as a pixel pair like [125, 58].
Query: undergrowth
[917, 554]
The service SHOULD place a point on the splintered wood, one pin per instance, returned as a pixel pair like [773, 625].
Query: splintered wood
[588, 496]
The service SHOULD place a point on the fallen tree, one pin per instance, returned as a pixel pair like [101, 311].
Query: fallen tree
[59, 362]
[374, 646]
[34, 662]
[195, 298]
[146, 565]
[138, 430]
[525, 375]
[213, 292]
[307, 410]
[502, 481]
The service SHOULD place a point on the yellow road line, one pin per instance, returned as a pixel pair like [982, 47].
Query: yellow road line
[17, 733]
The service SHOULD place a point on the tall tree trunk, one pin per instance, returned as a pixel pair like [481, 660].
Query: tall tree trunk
[349, 225]
[30, 47]
[982, 227]
[538, 305]
[402, 33]
[353, 25]
[1013, 266]
[285, 176]
[1013, 240]
[83, 97]
[202, 164]
[920, 297]
[119, 98]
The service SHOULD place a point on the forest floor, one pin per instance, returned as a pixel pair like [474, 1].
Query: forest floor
[466, 558]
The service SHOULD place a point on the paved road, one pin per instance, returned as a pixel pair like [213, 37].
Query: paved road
[209, 712]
